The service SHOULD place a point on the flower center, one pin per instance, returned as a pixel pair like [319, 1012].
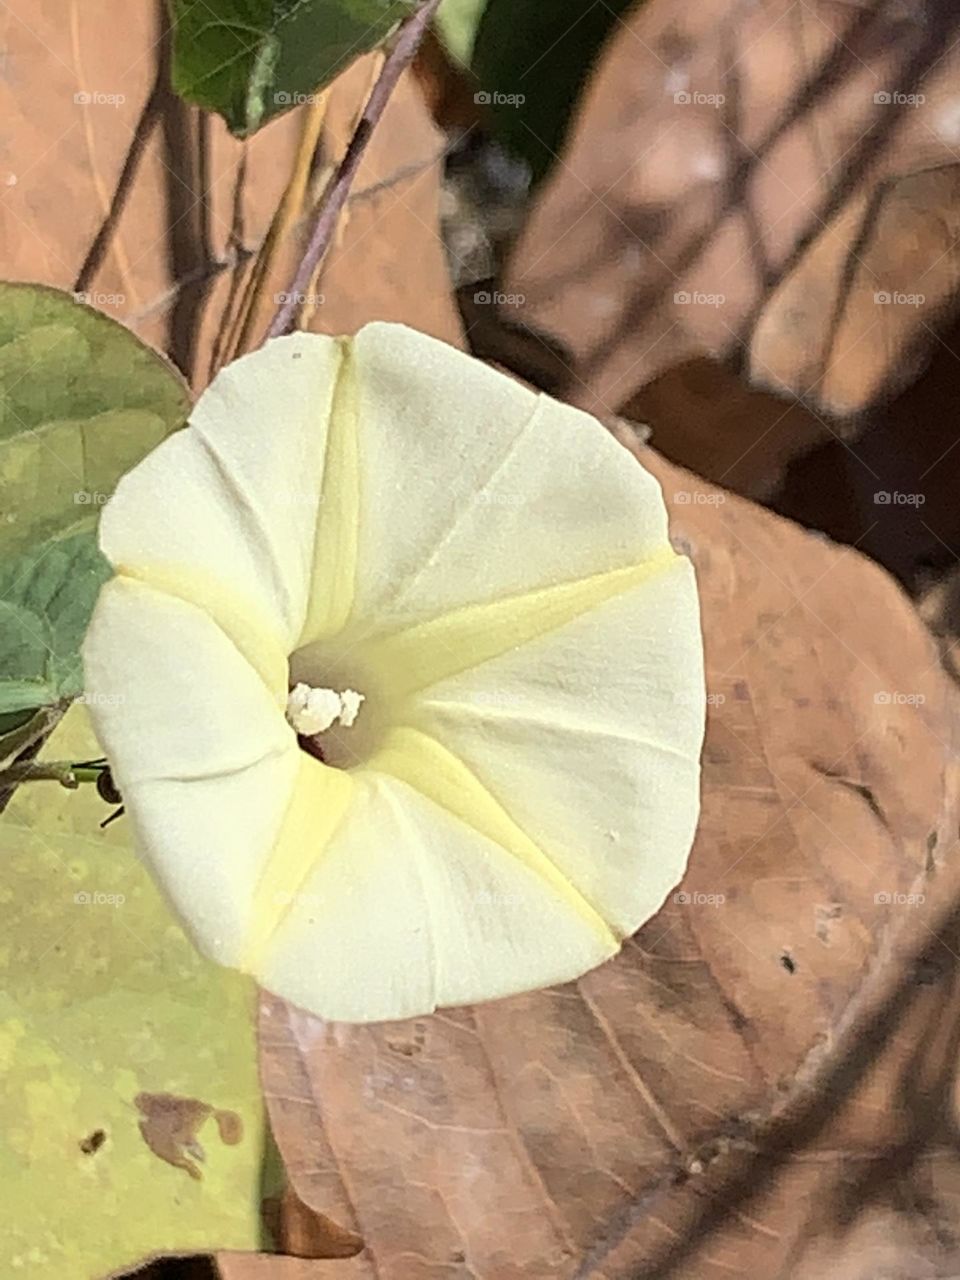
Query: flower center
[323, 719]
[312, 711]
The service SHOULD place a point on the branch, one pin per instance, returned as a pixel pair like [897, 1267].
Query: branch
[237, 334]
[62, 771]
[138, 143]
[128, 172]
[15, 744]
[401, 54]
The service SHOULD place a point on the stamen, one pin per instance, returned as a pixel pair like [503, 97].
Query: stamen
[312, 711]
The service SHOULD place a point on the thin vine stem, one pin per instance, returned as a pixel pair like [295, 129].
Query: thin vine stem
[401, 54]
[239, 328]
[149, 118]
[63, 771]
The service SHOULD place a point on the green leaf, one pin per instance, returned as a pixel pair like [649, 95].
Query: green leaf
[104, 999]
[81, 401]
[13, 724]
[46, 598]
[457, 22]
[251, 60]
[533, 59]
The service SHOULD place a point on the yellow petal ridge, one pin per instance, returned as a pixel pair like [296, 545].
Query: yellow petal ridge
[319, 801]
[423, 655]
[423, 763]
[256, 640]
[333, 583]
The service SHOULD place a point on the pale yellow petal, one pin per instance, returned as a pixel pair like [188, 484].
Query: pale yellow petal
[170, 693]
[207, 843]
[420, 656]
[318, 806]
[225, 512]
[415, 758]
[590, 737]
[409, 909]
[205, 762]
[469, 487]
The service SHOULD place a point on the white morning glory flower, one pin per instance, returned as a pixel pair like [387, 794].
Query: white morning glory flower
[399, 676]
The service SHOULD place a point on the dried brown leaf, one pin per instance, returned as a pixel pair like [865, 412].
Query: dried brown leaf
[200, 203]
[781, 1033]
[765, 214]
[72, 104]
[701, 414]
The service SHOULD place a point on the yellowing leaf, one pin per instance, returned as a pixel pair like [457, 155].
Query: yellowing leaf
[118, 1043]
[81, 400]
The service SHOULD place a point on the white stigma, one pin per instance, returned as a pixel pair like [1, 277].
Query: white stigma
[313, 711]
